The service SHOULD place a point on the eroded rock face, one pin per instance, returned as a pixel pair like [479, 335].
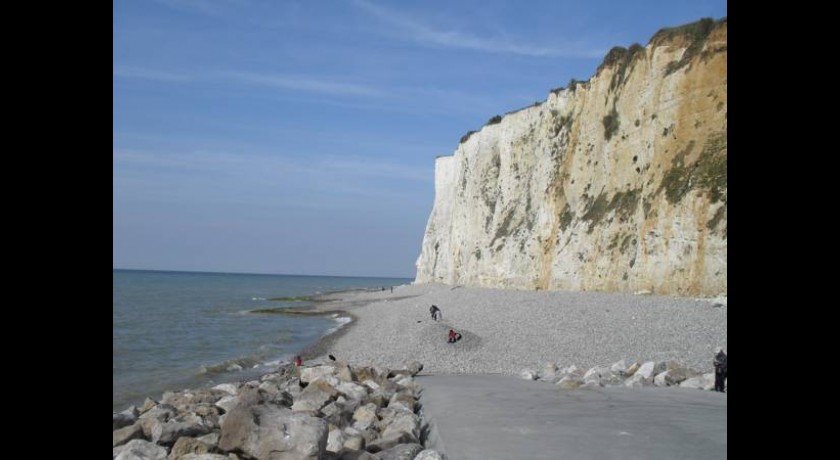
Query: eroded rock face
[617, 183]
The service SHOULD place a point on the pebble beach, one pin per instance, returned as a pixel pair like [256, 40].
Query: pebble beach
[505, 331]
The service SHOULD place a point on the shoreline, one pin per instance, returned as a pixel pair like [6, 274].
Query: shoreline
[388, 329]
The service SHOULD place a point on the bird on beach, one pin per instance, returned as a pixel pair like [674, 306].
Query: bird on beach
[332, 357]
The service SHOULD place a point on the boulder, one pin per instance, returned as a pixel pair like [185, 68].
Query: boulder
[227, 403]
[406, 398]
[211, 439]
[148, 404]
[352, 390]
[401, 452]
[335, 413]
[125, 434]
[572, 370]
[414, 368]
[637, 381]
[389, 441]
[183, 400]
[205, 457]
[364, 416]
[673, 376]
[335, 440]
[185, 425]
[618, 367]
[528, 374]
[344, 372]
[403, 422]
[155, 416]
[569, 383]
[186, 445]
[308, 374]
[701, 382]
[354, 442]
[266, 431]
[371, 373]
[631, 370]
[139, 449]
[647, 371]
[548, 372]
[229, 388]
[371, 384]
[348, 454]
[429, 454]
[316, 395]
[126, 417]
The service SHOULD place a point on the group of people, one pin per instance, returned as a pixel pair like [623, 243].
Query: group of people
[437, 316]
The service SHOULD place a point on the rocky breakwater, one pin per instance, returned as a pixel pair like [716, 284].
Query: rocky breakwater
[330, 411]
[649, 373]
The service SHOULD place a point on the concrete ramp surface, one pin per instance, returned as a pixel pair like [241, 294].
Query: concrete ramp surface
[505, 417]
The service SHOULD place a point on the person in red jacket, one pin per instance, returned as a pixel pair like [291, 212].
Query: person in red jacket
[453, 336]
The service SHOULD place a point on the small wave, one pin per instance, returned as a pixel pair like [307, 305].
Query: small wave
[257, 298]
[230, 365]
[341, 320]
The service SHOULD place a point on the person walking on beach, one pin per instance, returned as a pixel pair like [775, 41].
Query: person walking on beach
[435, 311]
[720, 370]
[453, 336]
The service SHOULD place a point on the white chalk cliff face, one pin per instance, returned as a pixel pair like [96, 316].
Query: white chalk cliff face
[617, 183]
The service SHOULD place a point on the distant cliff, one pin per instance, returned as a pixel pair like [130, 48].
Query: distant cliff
[617, 183]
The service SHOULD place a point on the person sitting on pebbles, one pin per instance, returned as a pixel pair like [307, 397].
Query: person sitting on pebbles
[453, 336]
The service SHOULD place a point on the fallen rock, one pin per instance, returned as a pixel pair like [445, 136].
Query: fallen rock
[631, 370]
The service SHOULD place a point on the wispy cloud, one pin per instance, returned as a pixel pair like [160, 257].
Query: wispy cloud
[424, 33]
[303, 83]
[147, 74]
[207, 7]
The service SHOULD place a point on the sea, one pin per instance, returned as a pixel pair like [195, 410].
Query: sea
[177, 330]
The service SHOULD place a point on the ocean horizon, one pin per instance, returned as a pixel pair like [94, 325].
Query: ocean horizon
[177, 329]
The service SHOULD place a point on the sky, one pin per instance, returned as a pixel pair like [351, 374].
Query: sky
[299, 137]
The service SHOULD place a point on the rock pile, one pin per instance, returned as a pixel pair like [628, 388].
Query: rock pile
[330, 411]
[650, 373]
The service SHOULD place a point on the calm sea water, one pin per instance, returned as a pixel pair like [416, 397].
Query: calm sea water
[176, 330]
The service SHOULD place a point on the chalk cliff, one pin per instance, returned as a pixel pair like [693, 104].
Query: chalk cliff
[617, 183]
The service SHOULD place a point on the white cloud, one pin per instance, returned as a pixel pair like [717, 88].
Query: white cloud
[303, 83]
[423, 33]
[147, 74]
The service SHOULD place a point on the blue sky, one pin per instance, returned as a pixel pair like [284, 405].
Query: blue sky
[299, 137]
